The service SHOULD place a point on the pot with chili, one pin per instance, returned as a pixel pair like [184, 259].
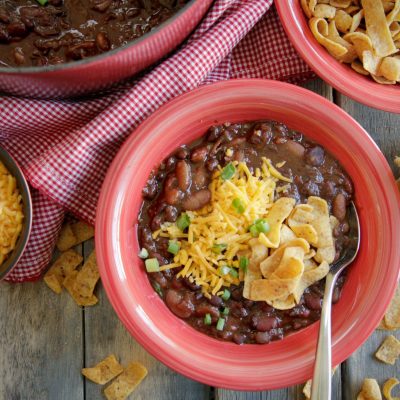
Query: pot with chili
[238, 230]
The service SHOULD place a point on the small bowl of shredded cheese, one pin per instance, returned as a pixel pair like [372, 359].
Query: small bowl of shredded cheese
[15, 213]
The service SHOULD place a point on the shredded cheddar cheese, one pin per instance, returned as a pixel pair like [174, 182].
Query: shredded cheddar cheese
[220, 224]
[11, 214]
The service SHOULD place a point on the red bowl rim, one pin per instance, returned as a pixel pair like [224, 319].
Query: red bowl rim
[107, 245]
[358, 87]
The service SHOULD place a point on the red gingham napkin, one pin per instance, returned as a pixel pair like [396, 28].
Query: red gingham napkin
[65, 147]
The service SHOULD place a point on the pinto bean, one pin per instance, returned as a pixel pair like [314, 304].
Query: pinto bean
[182, 153]
[102, 41]
[197, 200]
[171, 192]
[19, 56]
[339, 207]
[180, 304]
[295, 149]
[183, 174]
[205, 308]
[200, 177]
[199, 154]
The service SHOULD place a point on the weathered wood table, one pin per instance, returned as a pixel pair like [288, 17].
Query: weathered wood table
[46, 339]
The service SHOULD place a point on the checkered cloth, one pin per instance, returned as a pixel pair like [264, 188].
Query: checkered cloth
[65, 147]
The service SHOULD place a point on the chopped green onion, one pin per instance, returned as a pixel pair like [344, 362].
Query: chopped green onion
[238, 206]
[262, 226]
[152, 265]
[226, 295]
[158, 289]
[233, 273]
[207, 319]
[225, 311]
[228, 172]
[143, 253]
[254, 231]
[243, 263]
[183, 221]
[219, 248]
[42, 2]
[224, 270]
[220, 324]
[173, 247]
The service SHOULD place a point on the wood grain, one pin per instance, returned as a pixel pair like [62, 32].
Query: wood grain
[105, 334]
[41, 344]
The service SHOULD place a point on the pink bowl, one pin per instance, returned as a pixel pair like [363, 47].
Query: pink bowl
[340, 76]
[371, 280]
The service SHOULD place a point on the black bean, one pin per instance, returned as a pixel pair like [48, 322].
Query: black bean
[237, 310]
[171, 213]
[312, 301]
[191, 285]
[212, 164]
[151, 188]
[261, 134]
[315, 156]
[214, 133]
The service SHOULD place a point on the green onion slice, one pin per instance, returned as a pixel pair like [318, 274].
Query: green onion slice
[254, 231]
[183, 221]
[173, 247]
[226, 295]
[233, 273]
[143, 253]
[262, 226]
[207, 319]
[244, 263]
[238, 206]
[220, 324]
[152, 265]
[42, 2]
[158, 289]
[225, 311]
[228, 171]
[219, 248]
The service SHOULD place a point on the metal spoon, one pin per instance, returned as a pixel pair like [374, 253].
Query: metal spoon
[322, 380]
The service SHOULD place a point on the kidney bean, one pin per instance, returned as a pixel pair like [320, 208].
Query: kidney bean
[17, 29]
[102, 41]
[237, 141]
[300, 323]
[299, 311]
[4, 36]
[344, 227]
[200, 177]
[183, 174]
[295, 149]
[339, 207]
[315, 156]
[328, 189]
[204, 308]
[225, 334]
[236, 294]
[197, 200]
[101, 5]
[182, 153]
[171, 193]
[180, 304]
[239, 338]
[264, 323]
[262, 337]
[310, 188]
[80, 50]
[312, 301]
[232, 324]
[199, 154]
[160, 279]
[238, 310]
[190, 285]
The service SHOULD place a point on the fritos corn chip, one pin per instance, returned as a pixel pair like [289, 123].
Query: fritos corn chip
[126, 382]
[370, 390]
[104, 371]
[73, 234]
[87, 277]
[69, 284]
[388, 387]
[362, 33]
[389, 350]
[65, 264]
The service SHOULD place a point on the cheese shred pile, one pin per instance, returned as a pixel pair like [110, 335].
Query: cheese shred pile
[218, 234]
[11, 215]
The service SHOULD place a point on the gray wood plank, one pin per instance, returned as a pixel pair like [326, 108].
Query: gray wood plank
[105, 334]
[41, 344]
[383, 127]
[320, 87]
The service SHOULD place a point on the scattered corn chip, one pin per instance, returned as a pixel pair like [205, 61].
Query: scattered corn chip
[67, 239]
[370, 390]
[388, 387]
[126, 382]
[69, 284]
[104, 371]
[61, 268]
[87, 277]
[392, 316]
[308, 384]
[82, 231]
[389, 350]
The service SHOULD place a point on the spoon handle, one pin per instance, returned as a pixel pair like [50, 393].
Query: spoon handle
[322, 379]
